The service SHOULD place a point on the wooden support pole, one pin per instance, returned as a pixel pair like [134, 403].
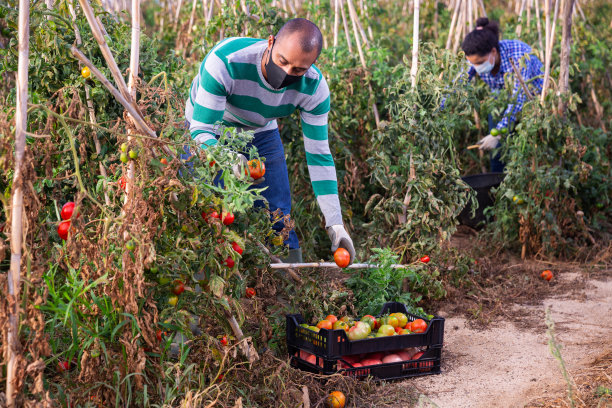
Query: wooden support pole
[96, 30]
[537, 10]
[13, 347]
[138, 121]
[546, 51]
[453, 24]
[90, 108]
[330, 265]
[566, 43]
[519, 78]
[133, 80]
[336, 21]
[346, 29]
[415, 44]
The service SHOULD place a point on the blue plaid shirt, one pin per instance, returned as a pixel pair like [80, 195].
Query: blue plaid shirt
[530, 68]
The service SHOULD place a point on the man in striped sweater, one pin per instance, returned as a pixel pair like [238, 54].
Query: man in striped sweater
[248, 83]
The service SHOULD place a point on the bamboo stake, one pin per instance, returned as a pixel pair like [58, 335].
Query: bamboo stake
[529, 6]
[356, 34]
[345, 24]
[176, 14]
[469, 14]
[436, 20]
[13, 346]
[460, 27]
[133, 79]
[519, 77]
[364, 38]
[330, 265]
[482, 7]
[415, 44]
[106, 52]
[90, 108]
[138, 121]
[362, 58]
[453, 23]
[249, 351]
[546, 51]
[519, 27]
[210, 12]
[276, 260]
[537, 9]
[191, 16]
[565, 54]
[336, 21]
[551, 38]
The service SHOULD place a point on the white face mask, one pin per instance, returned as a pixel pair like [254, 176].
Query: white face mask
[485, 67]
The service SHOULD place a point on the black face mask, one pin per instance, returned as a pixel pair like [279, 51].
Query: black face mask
[277, 77]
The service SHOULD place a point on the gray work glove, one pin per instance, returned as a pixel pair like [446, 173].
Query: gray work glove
[240, 169]
[341, 239]
[489, 142]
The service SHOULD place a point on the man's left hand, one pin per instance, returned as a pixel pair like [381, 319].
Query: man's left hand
[341, 239]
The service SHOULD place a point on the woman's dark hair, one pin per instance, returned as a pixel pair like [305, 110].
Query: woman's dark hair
[483, 39]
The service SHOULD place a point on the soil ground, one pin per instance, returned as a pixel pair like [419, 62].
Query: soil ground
[496, 347]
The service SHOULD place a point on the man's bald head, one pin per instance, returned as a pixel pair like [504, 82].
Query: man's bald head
[307, 34]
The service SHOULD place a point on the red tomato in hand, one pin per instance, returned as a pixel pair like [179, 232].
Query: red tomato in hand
[257, 169]
[228, 218]
[237, 248]
[342, 257]
[425, 259]
[178, 287]
[67, 210]
[250, 292]
[62, 229]
[229, 262]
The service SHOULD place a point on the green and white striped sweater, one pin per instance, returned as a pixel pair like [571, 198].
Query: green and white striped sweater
[231, 89]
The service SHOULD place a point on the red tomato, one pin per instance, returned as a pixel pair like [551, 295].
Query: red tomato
[229, 262]
[123, 183]
[224, 341]
[163, 161]
[342, 257]
[547, 275]
[67, 210]
[237, 248]
[159, 335]
[325, 324]
[178, 287]
[257, 169]
[63, 366]
[425, 365]
[391, 358]
[250, 292]
[207, 215]
[62, 229]
[418, 326]
[211, 163]
[425, 259]
[228, 218]
[331, 318]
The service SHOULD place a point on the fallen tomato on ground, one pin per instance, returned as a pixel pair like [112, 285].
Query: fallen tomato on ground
[178, 288]
[547, 275]
[250, 292]
[425, 259]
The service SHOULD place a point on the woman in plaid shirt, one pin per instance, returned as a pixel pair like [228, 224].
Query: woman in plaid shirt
[491, 61]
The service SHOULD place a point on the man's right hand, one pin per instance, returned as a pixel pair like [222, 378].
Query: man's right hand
[240, 169]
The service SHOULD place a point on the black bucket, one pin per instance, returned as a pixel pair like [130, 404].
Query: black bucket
[482, 184]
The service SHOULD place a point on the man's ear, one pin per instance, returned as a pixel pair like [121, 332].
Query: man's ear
[270, 40]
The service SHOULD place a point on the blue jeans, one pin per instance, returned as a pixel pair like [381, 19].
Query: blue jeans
[277, 193]
[497, 165]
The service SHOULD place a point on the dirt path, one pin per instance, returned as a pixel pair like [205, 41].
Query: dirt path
[510, 364]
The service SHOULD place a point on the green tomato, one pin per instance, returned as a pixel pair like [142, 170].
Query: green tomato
[173, 300]
[504, 131]
[133, 154]
[123, 157]
[130, 245]
[123, 147]
[494, 132]
[163, 280]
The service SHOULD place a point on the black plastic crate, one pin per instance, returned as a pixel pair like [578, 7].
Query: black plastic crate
[428, 364]
[332, 344]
